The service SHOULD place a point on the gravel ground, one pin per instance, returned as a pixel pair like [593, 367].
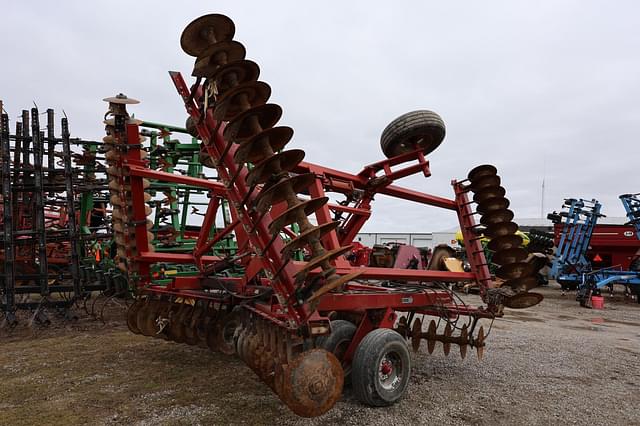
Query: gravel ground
[554, 363]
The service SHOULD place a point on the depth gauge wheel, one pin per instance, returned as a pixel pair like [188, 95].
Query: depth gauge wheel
[381, 368]
[417, 129]
[338, 341]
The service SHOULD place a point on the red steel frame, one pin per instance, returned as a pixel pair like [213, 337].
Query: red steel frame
[373, 179]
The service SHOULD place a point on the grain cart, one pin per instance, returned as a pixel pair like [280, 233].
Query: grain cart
[302, 325]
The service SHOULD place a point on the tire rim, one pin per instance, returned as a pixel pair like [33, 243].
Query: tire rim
[390, 371]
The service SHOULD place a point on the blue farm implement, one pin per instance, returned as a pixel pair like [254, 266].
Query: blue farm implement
[571, 266]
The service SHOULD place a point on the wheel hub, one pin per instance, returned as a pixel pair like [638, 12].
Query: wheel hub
[390, 371]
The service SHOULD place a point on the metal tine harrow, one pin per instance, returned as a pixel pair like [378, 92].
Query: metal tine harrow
[48, 201]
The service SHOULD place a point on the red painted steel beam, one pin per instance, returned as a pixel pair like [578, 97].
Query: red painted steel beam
[360, 182]
[155, 257]
[216, 187]
[416, 275]
[132, 158]
[382, 300]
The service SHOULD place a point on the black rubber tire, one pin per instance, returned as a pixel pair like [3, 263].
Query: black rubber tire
[421, 127]
[440, 252]
[365, 374]
[338, 341]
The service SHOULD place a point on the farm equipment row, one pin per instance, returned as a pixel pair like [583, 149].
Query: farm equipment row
[51, 229]
[285, 299]
[571, 267]
[60, 238]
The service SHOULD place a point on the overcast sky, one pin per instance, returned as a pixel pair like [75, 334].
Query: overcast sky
[540, 89]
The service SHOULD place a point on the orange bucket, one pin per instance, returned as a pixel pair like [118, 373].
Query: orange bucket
[597, 302]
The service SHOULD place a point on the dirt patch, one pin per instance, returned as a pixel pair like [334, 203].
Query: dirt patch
[541, 366]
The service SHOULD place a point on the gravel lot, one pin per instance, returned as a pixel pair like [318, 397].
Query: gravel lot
[555, 363]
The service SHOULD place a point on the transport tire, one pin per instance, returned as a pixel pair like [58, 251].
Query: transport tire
[338, 341]
[381, 368]
[440, 252]
[414, 129]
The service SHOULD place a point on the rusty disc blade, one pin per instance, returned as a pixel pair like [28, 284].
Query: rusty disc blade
[151, 328]
[121, 99]
[243, 127]
[122, 252]
[501, 229]
[446, 346]
[276, 193]
[318, 260]
[112, 155]
[141, 318]
[204, 157]
[192, 127]
[431, 337]
[507, 256]
[488, 193]
[234, 73]
[522, 284]
[118, 227]
[505, 242]
[240, 98]
[523, 300]
[175, 328]
[332, 285]
[306, 237]
[479, 342]
[464, 336]
[416, 334]
[204, 31]
[254, 150]
[216, 56]
[493, 204]
[190, 330]
[482, 171]
[292, 214]
[495, 217]
[117, 214]
[312, 383]
[242, 344]
[132, 312]
[282, 162]
[114, 185]
[515, 270]
[212, 336]
[227, 327]
[485, 183]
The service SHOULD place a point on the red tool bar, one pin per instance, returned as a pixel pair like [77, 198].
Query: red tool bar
[219, 235]
[415, 275]
[360, 182]
[137, 192]
[216, 187]
[205, 230]
[154, 257]
[393, 300]
[190, 293]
